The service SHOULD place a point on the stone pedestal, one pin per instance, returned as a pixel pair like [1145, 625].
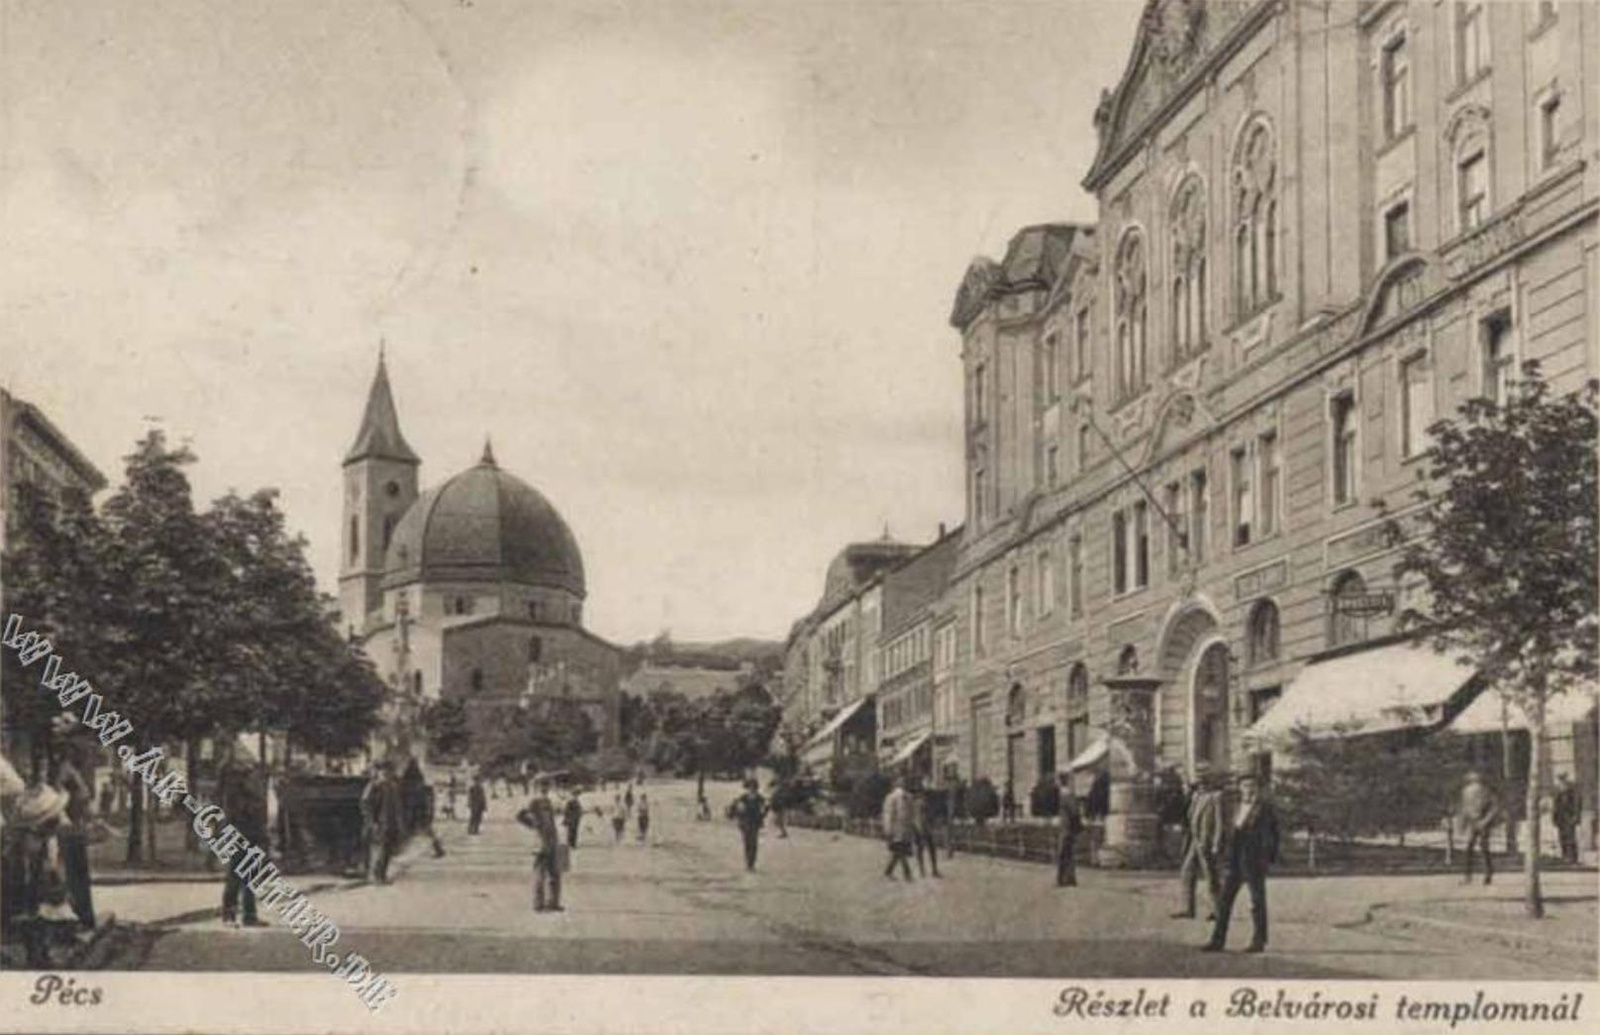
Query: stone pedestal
[1130, 832]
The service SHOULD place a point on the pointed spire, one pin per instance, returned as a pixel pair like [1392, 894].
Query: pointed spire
[379, 436]
[487, 460]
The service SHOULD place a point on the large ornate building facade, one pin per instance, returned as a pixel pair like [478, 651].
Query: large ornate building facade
[1320, 226]
[471, 590]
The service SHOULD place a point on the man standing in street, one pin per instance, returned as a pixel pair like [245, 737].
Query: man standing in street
[751, 811]
[1252, 848]
[897, 828]
[540, 817]
[923, 824]
[477, 804]
[572, 816]
[1565, 812]
[1202, 846]
[380, 814]
[1476, 818]
[242, 796]
[1071, 820]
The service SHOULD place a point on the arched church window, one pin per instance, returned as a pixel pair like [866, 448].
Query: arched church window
[1128, 661]
[355, 538]
[388, 529]
[476, 680]
[533, 610]
[1263, 633]
[1077, 710]
[535, 649]
[1255, 214]
[416, 681]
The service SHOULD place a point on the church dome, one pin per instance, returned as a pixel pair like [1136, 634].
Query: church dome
[484, 525]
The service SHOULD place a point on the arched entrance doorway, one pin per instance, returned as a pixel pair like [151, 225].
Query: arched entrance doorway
[1211, 677]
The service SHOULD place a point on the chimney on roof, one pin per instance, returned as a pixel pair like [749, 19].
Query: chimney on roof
[941, 530]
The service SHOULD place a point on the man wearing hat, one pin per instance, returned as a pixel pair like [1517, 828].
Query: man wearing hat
[1070, 816]
[1252, 848]
[540, 817]
[1202, 844]
[750, 809]
[380, 815]
[242, 796]
[1566, 812]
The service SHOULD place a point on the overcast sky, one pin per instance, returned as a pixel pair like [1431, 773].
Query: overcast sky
[689, 264]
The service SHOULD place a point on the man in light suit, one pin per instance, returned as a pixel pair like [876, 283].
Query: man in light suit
[897, 828]
[1252, 848]
[1202, 844]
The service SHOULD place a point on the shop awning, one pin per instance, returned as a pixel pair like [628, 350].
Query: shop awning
[1104, 746]
[1398, 686]
[909, 748]
[1484, 715]
[824, 736]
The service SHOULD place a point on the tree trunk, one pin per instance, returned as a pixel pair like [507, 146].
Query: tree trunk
[135, 822]
[1530, 856]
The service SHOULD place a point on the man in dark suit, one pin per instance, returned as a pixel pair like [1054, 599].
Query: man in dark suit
[241, 794]
[477, 805]
[1071, 825]
[540, 817]
[1251, 849]
[381, 816]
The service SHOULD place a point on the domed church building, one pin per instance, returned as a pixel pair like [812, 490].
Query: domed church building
[471, 590]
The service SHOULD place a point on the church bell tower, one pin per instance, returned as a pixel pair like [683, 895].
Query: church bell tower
[380, 484]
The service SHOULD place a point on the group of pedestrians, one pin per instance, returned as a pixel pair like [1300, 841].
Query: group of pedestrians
[911, 820]
[1228, 846]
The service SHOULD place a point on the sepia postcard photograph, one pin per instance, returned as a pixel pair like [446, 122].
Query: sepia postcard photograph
[799, 515]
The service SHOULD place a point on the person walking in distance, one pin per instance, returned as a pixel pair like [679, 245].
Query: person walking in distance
[750, 809]
[1475, 818]
[1203, 834]
[1008, 803]
[643, 815]
[540, 817]
[477, 805]
[1252, 849]
[922, 827]
[242, 797]
[780, 805]
[897, 830]
[619, 819]
[572, 816]
[1070, 819]
[1566, 811]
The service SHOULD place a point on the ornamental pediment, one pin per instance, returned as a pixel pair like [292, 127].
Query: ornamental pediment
[977, 287]
[1174, 38]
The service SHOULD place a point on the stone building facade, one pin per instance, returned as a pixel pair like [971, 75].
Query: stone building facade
[1319, 227]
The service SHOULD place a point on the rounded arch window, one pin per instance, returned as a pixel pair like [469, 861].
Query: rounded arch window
[1128, 661]
[476, 680]
[416, 681]
[1347, 626]
[1078, 692]
[1263, 633]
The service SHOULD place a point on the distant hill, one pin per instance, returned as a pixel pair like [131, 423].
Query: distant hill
[764, 655]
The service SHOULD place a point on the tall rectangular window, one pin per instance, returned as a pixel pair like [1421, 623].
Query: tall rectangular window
[1075, 576]
[1083, 448]
[1549, 130]
[1119, 552]
[1497, 358]
[1080, 361]
[1199, 493]
[1045, 582]
[1051, 372]
[1175, 515]
[1014, 601]
[1472, 40]
[1271, 482]
[978, 486]
[1343, 416]
[980, 392]
[1239, 475]
[1416, 405]
[1396, 87]
[1472, 180]
[980, 644]
[1397, 230]
[1141, 545]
